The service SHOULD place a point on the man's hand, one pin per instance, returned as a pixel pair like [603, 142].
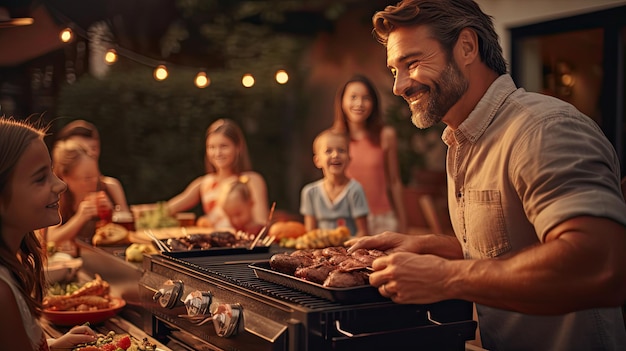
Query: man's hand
[437, 244]
[411, 278]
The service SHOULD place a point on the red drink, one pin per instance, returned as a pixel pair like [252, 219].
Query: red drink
[125, 219]
[105, 214]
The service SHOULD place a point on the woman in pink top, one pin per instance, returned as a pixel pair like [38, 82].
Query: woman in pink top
[374, 153]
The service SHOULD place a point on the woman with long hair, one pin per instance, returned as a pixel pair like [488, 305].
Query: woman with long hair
[373, 153]
[226, 160]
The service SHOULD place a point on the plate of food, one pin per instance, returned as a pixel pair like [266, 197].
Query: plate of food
[212, 244]
[114, 341]
[96, 316]
[79, 303]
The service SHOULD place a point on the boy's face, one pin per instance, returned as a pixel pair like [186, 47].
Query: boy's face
[331, 155]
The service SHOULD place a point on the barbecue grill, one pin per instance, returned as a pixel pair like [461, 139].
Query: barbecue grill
[250, 313]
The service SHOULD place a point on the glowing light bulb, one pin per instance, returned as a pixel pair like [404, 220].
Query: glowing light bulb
[247, 80]
[281, 76]
[567, 80]
[66, 35]
[160, 73]
[202, 80]
[110, 57]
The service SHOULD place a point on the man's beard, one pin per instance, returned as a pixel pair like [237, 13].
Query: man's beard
[447, 90]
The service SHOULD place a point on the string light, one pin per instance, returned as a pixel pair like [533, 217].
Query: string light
[66, 35]
[281, 76]
[160, 73]
[110, 57]
[247, 80]
[202, 81]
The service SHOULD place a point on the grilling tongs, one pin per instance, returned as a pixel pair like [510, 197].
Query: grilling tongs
[158, 242]
[264, 229]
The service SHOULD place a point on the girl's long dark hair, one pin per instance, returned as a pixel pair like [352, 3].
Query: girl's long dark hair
[26, 266]
[373, 123]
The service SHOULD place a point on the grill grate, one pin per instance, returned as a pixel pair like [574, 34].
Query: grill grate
[243, 276]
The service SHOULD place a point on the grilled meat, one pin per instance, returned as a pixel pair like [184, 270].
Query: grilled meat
[334, 251]
[93, 294]
[97, 286]
[352, 264]
[337, 259]
[64, 303]
[202, 241]
[342, 279]
[286, 263]
[222, 239]
[191, 242]
[367, 256]
[317, 265]
[316, 273]
[177, 244]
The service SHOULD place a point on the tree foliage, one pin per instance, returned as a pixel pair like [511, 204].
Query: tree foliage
[153, 132]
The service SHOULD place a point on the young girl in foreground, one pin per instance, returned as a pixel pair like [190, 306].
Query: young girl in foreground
[226, 160]
[29, 200]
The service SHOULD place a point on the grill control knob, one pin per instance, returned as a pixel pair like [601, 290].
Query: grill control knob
[197, 303]
[169, 294]
[226, 318]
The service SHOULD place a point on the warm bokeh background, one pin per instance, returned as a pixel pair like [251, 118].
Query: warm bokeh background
[153, 132]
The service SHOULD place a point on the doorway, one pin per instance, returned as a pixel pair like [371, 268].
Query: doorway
[578, 59]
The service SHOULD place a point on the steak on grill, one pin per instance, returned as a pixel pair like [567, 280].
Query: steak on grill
[331, 266]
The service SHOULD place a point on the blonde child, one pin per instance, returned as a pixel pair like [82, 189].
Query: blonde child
[87, 134]
[335, 200]
[29, 200]
[238, 205]
[87, 199]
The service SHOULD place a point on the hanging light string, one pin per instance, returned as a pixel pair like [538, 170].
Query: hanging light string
[160, 67]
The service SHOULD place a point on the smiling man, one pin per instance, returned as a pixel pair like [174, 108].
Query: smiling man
[533, 191]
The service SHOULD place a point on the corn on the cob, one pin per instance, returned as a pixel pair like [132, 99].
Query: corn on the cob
[320, 238]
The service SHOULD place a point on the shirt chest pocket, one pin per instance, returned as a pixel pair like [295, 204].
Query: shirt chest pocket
[485, 224]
